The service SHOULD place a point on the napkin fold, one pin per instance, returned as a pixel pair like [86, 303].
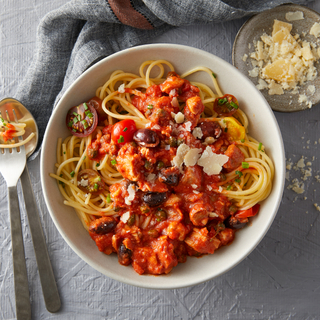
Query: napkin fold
[82, 32]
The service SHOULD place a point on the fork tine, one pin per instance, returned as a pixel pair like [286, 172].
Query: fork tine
[7, 114]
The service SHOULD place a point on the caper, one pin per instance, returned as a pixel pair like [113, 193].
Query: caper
[223, 177]
[131, 220]
[161, 215]
[173, 142]
[160, 165]
[180, 141]
[233, 208]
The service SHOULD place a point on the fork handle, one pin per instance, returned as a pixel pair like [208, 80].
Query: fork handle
[23, 306]
[48, 282]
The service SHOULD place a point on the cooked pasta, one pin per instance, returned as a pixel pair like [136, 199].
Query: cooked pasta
[168, 161]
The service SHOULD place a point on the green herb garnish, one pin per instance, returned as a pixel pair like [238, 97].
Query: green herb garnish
[239, 173]
[245, 165]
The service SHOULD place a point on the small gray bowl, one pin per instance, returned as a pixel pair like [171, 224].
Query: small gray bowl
[263, 23]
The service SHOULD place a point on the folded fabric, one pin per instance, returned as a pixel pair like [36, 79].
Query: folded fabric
[82, 32]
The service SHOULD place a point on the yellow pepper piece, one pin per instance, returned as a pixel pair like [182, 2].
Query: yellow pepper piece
[235, 129]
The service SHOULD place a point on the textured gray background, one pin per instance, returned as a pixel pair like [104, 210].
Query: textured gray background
[279, 280]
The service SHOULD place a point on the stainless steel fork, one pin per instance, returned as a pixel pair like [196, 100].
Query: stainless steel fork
[12, 163]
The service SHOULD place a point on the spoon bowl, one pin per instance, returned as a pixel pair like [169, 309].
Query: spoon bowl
[24, 116]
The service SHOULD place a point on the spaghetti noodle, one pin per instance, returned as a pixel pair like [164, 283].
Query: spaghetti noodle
[9, 131]
[169, 170]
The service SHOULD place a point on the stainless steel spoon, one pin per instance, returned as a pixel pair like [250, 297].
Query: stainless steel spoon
[48, 282]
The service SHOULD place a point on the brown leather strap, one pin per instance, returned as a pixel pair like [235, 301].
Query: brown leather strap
[127, 14]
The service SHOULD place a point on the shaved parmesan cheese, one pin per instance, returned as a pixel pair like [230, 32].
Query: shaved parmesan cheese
[197, 133]
[213, 215]
[175, 102]
[191, 157]
[312, 89]
[194, 186]
[196, 192]
[261, 84]
[188, 125]
[254, 72]
[209, 140]
[121, 88]
[220, 189]
[173, 93]
[179, 117]
[315, 30]
[293, 16]
[209, 188]
[211, 162]
[83, 183]
[156, 127]
[132, 193]
[181, 152]
[167, 147]
[283, 61]
[125, 217]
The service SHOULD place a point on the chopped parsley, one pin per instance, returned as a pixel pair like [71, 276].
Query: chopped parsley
[233, 105]
[121, 139]
[72, 173]
[113, 161]
[222, 101]
[245, 165]
[260, 146]
[239, 173]
[88, 114]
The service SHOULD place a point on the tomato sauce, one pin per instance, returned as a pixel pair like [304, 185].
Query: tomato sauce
[174, 212]
[8, 133]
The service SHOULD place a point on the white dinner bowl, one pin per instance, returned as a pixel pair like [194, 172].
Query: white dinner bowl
[262, 126]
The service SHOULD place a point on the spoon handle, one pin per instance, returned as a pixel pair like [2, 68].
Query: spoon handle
[48, 282]
[21, 288]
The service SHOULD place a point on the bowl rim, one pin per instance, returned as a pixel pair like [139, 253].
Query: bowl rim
[160, 284]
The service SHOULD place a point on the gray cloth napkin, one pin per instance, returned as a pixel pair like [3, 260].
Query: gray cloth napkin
[82, 32]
